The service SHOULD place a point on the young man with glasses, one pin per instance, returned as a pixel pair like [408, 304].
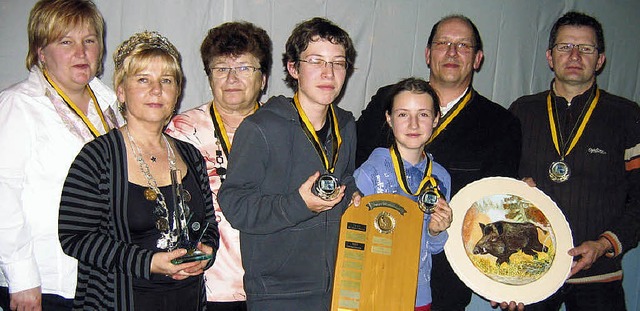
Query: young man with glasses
[475, 137]
[288, 223]
[581, 146]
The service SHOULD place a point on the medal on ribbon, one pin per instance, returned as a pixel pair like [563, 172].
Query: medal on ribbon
[326, 186]
[427, 192]
[559, 171]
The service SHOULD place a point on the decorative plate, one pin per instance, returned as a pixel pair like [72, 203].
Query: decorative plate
[508, 241]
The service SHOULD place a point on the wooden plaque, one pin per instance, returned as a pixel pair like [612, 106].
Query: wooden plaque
[378, 255]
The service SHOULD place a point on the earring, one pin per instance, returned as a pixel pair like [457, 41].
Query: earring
[121, 107]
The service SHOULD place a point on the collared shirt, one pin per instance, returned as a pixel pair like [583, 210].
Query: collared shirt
[444, 110]
[224, 278]
[377, 175]
[40, 139]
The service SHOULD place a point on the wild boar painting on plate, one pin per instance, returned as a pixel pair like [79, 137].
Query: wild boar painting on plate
[508, 239]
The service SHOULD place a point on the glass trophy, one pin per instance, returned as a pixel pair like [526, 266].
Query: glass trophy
[185, 226]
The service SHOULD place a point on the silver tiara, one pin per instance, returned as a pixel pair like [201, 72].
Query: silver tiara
[148, 39]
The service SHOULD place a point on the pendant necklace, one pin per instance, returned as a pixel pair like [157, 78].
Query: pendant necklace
[168, 239]
[222, 141]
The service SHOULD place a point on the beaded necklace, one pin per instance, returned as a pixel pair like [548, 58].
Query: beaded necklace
[168, 239]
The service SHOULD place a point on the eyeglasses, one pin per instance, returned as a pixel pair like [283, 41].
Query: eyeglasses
[321, 63]
[582, 48]
[241, 71]
[460, 46]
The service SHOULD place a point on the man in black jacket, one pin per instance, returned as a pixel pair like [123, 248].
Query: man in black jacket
[475, 138]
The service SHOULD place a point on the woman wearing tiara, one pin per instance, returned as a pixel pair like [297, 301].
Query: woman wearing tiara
[118, 213]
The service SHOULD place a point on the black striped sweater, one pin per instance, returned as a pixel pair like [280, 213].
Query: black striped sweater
[93, 225]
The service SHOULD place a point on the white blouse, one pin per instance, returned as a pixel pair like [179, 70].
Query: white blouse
[38, 144]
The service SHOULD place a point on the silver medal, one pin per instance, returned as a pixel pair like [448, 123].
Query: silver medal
[427, 201]
[327, 187]
[559, 171]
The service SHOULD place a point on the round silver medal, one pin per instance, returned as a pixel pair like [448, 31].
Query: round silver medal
[327, 187]
[559, 171]
[427, 201]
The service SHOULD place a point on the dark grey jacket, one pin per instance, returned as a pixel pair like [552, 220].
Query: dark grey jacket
[288, 252]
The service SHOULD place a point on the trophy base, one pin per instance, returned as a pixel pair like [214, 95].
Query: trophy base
[191, 256]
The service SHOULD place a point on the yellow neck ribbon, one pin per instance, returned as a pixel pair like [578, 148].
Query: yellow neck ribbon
[308, 129]
[77, 110]
[583, 123]
[427, 180]
[445, 120]
[220, 130]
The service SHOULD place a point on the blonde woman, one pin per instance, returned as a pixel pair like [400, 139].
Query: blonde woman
[115, 215]
[44, 121]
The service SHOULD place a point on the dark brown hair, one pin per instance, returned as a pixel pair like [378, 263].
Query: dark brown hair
[415, 86]
[313, 30]
[235, 39]
[577, 19]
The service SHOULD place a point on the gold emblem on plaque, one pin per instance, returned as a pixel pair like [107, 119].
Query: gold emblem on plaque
[385, 223]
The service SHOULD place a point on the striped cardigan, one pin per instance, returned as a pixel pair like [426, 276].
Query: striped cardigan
[93, 225]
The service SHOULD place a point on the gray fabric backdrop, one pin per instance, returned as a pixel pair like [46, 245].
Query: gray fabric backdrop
[390, 38]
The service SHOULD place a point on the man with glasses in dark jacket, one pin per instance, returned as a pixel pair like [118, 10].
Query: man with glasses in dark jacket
[475, 137]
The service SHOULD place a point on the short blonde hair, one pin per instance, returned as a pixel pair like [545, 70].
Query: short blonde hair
[135, 54]
[49, 20]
